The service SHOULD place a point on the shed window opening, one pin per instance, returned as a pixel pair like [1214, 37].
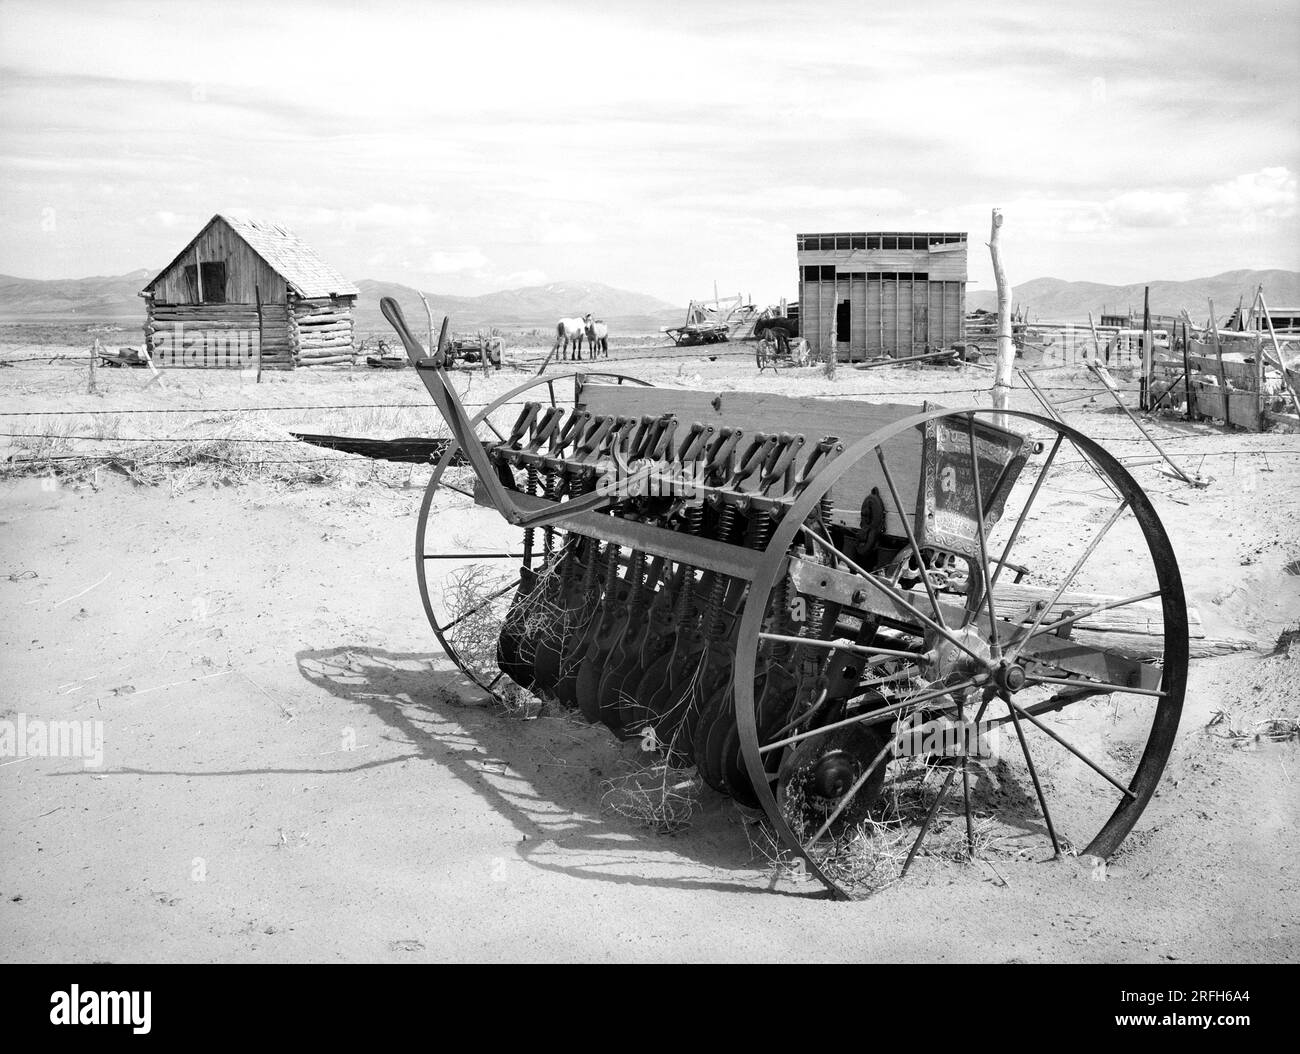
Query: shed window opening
[212, 290]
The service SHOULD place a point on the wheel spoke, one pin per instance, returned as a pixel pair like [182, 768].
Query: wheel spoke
[1021, 711]
[466, 555]
[965, 778]
[994, 646]
[1033, 775]
[451, 486]
[897, 598]
[1092, 686]
[906, 520]
[929, 819]
[831, 645]
[943, 793]
[1070, 620]
[874, 716]
[1015, 531]
[1065, 584]
[479, 606]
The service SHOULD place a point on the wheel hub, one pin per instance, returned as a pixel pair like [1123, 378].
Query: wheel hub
[833, 775]
[945, 657]
[1009, 676]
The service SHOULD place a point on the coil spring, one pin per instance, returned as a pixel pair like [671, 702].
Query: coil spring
[611, 567]
[531, 485]
[553, 487]
[819, 612]
[694, 517]
[726, 524]
[636, 576]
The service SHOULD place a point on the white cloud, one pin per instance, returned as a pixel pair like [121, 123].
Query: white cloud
[1269, 194]
[517, 279]
[1149, 208]
[455, 261]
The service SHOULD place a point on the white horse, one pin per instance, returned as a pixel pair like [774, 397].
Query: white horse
[569, 331]
[597, 336]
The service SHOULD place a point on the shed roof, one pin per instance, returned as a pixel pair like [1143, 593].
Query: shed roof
[288, 255]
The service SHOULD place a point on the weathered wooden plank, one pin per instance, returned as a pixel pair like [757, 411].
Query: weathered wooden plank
[329, 360]
[1244, 407]
[825, 583]
[1012, 601]
[1243, 375]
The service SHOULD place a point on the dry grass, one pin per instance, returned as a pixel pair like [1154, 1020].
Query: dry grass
[478, 616]
[660, 797]
[867, 855]
[224, 449]
[1273, 729]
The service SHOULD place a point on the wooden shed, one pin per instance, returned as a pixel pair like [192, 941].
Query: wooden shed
[241, 286]
[873, 294]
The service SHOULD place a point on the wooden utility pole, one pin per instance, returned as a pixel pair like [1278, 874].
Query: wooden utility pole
[1006, 360]
[1148, 351]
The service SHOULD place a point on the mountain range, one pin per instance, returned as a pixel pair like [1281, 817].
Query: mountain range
[1055, 300]
[114, 298]
[532, 306]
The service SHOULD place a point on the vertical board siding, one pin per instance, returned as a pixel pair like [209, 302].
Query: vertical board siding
[244, 270]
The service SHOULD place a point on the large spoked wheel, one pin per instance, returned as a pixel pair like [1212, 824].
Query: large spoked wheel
[469, 562]
[1050, 701]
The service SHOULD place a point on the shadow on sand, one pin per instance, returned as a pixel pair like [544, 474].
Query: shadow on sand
[520, 769]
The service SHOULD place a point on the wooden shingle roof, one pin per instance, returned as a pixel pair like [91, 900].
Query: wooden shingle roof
[288, 255]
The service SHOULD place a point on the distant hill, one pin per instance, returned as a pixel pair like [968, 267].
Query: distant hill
[536, 307]
[1054, 300]
[98, 299]
[115, 298]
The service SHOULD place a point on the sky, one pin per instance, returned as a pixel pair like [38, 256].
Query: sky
[464, 147]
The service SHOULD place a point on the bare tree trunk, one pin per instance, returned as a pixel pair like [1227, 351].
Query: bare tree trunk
[432, 349]
[1006, 360]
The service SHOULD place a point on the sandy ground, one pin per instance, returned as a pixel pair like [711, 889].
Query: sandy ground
[291, 771]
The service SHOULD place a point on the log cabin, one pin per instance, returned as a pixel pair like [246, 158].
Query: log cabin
[875, 294]
[244, 286]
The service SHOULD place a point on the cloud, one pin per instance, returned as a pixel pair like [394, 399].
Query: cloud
[1148, 208]
[518, 279]
[1269, 194]
[455, 261]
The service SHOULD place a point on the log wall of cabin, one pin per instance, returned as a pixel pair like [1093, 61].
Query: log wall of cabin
[321, 330]
[218, 335]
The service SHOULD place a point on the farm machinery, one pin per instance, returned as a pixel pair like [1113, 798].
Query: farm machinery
[823, 606]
